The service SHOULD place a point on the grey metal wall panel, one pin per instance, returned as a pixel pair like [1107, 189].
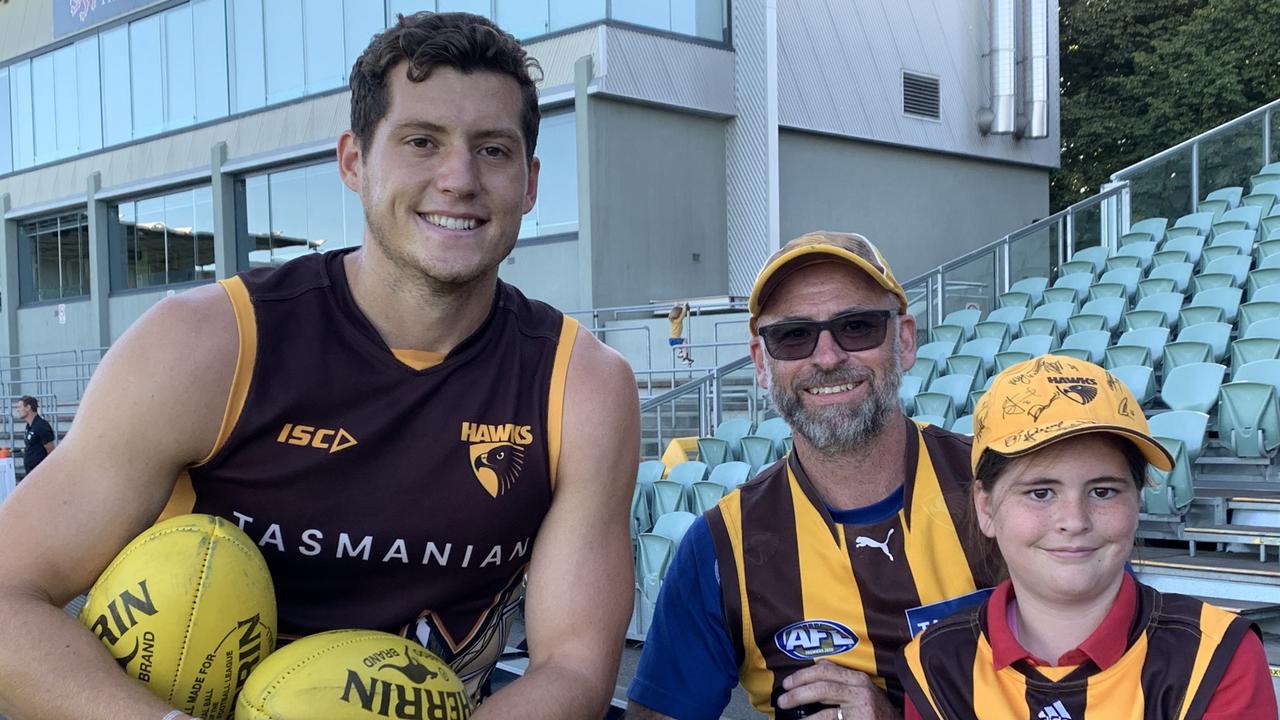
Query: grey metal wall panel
[24, 26]
[557, 55]
[546, 271]
[667, 71]
[39, 330]
[658, 186]
[840, 66]
[122, 310]
[921, 208]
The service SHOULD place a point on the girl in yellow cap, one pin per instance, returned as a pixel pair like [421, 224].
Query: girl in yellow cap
[1060, 455]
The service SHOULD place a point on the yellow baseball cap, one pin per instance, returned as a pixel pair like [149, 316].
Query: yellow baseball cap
[1048, 398]
[822, 246]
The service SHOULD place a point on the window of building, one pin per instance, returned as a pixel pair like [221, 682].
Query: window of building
[53, 258]
[164, 240]
[291, 212]
[6, 125]
[557, 208]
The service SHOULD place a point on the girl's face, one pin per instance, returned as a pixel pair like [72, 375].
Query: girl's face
[1064, 518]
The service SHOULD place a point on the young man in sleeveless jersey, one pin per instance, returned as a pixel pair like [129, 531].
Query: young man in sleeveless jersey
[805, 583]
[1060, 456]
[403, 434]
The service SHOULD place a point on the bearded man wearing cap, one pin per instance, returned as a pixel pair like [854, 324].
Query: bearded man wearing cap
[805, 583]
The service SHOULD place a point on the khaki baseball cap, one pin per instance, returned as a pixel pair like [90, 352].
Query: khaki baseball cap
[822, 246]
[1045, 399]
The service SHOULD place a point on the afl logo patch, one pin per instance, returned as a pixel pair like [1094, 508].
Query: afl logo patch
[810, 639]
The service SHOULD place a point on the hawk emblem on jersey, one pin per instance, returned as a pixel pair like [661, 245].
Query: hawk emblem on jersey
[497, 465]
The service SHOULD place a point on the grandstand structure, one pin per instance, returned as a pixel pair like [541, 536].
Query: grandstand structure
[1169, 277]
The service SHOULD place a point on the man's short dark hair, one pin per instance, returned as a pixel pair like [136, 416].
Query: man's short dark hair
[429, 40]
[30, 402]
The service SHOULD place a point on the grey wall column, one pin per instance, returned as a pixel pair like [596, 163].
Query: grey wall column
[224, 214]
[582, 73]
[99, 263]
[8, 281]
[751, 150]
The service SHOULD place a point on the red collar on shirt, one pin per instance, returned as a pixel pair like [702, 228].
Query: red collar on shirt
[1105, 646]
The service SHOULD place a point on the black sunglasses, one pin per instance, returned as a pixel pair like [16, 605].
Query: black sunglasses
[852, 331]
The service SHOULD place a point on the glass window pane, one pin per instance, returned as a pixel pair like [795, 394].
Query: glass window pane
[251, 79]
[6, 125]
[24, 144]
[121, 234]
[568, 13]
[643, 12]
[117, 105]
[324, 206]
[282, 20]
[88, 96]
[257, 206]
[48, 283]
[558, 180]
[700, 18]
[288, 214]
[478, 7]
[180, 68]
[322, 30]
[66, 124]
[179, 221]
[361, 21]
[1230, 157]
[522, 18]
[407, 7]
[73, 255]
[144, 71]
[203, 228]
[211, 48]
[42, 108]
[146, 261]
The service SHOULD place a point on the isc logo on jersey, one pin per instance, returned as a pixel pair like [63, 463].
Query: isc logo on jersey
[309, 435]
[497, 453]
[810, 639]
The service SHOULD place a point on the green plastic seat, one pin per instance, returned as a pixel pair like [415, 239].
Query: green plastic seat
[1171, 492]
[963, 425]
[1235, 266]
[1189, 426]
[1015, 298]
[1192, 224]
[984, 349]
[1092, 343]
[970, 365]
[1260, 279]
[777, 430]
[1111, 310]
[930, 419]
[1125, 277]
[1231, 195]
[1140, 250]
[730, 475]
[1250, 215]
[1168, 304]
[1256, 311]
[1263, 371]
[1215, 335]
[1032, 286]
[1167, 257]
[732, 431]
[1249, 418]
[1264, 329]
[1079, 283]
[996, 330]
[1140, 380]
[1263, 178]
[1185, 352]
[1199, 314]
[1135, 236]
[966, 319]
[1179, 272]
[705, 495]
[1096, 256]
[1115, 262]
[1081, 322]
[1155, 226]
[758, 451]
[936, 405]
[1068, 295]
[924, 368]
[712, 451]
[1154, 286]
[1241, 240]
[1268, 248]
[1227, 299]
[1192, 245]
[1007, 316]
[953, 335]
[668, 496]
[1009, 358]
[1216, 252]
[689, 472]
[1217, 207]
[1152, 338]
[1121, 355]
[954, 387]
[1192, 387]
[1248, 349]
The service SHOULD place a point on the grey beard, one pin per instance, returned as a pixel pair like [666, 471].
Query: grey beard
[843, 429]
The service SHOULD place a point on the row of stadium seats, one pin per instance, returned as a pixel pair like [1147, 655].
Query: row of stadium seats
[654, 550]
[735, 440]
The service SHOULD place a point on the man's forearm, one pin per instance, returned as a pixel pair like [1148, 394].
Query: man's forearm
[52, 668]
[550, 692]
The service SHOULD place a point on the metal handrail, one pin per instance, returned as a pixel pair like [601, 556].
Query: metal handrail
[1185, 144]
[690, 386]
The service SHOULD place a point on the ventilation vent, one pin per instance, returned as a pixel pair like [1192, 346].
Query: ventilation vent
[921, 95]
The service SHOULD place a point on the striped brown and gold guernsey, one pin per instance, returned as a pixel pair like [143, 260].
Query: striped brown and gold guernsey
[388, 491]
[798, 586]
[1178, 649]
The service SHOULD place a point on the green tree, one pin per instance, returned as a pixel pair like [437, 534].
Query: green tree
[1139, 76]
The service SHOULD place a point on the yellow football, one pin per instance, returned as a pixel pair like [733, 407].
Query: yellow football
[187, 608]
[353, 675]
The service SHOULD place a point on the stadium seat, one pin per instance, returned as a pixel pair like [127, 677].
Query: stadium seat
[687, 473]
[1096, 255]
[1192, 387]
[1079, 283]
[1264, 329]
[963, 425]
[954, 387]
[938, 352]
[1189, 426]
[705, 495]
[1121, 282]
[654, 552]
[1241, 240]
[668, 496]
[1194, 315]
[1227, 299]
[673, 526]
[1268, 248]
[1257, 181]
[1009, 317]
[1259, 279]
[1230, 195]
[1156, 226]
[1032, 286]
[732, 432]
[1263, 371]
[777, 430]
[1213, 252]
[953, 335]
[1217, 207]
[1168, 304]
[1152, 338]
[1185, 352]
[1169, 493]
[1179, 273]
[1249, 418]
[1081, 322]
[758, 451]
[928, 419]
[1014, 298]
[983, 348]
[924, 368]
[1121, 355]
[1155, 286]
[712, 451]
[730, 475]
[1272, 260]
[1093, 344]
[1215, 335]
[1256, 311]
[1166, 257]
[1140, 380]
[648, 471]
[1192, 245]
[970, 365]
[1140, 250]
[1133, 237]
[1035, 345]
[1248, 349]
[1270, 222]
[1229, 271]
[1249, 215]
[1009, 358]
[966, 319]
[1057, 312]
[1263, 196]
[1191, 224]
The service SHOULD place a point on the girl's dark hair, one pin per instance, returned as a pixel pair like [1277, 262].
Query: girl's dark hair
[429, 40]
[992, 466]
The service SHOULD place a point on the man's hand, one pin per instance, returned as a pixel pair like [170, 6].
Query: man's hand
[852, 692]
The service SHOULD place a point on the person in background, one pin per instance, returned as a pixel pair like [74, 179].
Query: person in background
[1060, 456]
[676, 317]
[40, 438]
